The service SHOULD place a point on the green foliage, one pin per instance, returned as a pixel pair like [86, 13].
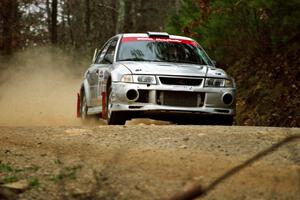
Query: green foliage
[10, 179]
[239, 28]
[33, 182]
[5, 167]
[12, 174]
[66, 173]
[187, 13]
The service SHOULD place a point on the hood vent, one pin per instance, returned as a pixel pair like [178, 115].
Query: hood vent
[158, 34]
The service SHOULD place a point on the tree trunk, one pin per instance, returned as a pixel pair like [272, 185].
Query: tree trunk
[54, 22]
[87, 19]
[69, 22]
[10, 22]
[120, 15]
[48, 10]
[63, 26]
[130, 16]
[205, 8]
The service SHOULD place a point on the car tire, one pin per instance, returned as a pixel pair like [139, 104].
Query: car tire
[226, 121]
[85, 118]
[83, 108]
[221, 120]
[113, 117]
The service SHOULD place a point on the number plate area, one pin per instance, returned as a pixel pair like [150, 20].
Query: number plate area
[180, 99]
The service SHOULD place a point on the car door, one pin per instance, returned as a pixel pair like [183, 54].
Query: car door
[92, 76]
[106, 63]
[99, 69]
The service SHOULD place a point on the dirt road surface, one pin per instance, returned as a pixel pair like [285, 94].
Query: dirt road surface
[147, 161]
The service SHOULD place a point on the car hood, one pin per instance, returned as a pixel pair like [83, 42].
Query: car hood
[166, 68]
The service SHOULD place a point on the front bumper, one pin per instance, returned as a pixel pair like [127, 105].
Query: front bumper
[173, 98]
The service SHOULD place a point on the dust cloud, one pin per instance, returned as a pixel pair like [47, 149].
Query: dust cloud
[38, 88]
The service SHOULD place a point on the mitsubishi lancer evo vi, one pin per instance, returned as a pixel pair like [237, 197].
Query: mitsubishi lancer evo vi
[156, 75]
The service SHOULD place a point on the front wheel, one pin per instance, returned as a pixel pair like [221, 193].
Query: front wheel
[113, 117]
[226, 120]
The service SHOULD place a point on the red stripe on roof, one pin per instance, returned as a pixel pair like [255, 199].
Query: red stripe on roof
[136, 39]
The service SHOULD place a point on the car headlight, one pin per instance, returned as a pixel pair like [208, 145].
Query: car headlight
[127, 78]
[218, 82]
[146, 79]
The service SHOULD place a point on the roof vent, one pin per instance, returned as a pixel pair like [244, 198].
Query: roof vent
[158, 34]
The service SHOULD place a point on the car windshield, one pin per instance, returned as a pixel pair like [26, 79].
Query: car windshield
[162, 50]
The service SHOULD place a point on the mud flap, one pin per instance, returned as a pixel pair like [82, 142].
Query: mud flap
[104, 111]
[78, 105]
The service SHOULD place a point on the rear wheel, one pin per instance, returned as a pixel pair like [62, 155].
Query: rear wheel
[84, 111]
[113, 117]
[83, 108]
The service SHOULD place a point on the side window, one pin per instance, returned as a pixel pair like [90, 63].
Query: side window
[101, 55]
[110, 53]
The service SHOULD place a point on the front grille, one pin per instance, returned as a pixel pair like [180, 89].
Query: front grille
[180, 81]
[180, 99]
[143, 96]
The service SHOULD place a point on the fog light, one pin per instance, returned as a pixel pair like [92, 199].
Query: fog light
[132, 95]
[227, 98]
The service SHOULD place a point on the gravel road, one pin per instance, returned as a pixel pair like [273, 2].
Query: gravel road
[146, 161]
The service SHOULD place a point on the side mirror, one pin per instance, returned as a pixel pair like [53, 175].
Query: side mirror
[95, 54]
[109, 58]
[214, 62]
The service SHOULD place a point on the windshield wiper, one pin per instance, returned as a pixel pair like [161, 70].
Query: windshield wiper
[190, 62]
[132, 59]
[139, 59]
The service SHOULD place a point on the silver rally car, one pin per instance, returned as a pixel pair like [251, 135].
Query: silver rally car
[156, 75]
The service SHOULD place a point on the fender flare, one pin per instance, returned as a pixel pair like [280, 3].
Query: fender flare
[85, 89]
[104, 97]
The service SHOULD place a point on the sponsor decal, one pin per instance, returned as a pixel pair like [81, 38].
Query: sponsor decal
[136, 39]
